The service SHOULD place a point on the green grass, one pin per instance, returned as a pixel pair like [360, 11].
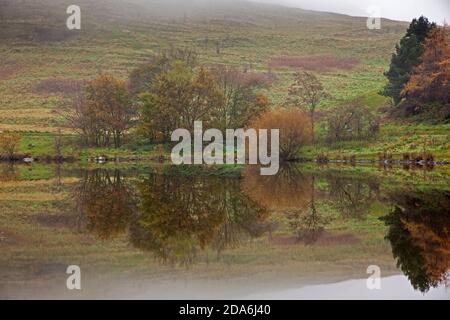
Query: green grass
[394, 138]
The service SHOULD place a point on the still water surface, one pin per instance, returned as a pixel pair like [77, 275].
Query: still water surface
[156, 232]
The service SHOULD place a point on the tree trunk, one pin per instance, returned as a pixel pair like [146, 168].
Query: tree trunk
[313, 127]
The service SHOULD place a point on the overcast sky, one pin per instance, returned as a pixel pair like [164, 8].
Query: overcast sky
[436, 10]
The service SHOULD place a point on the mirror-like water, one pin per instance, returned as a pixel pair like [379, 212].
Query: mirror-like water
[164, 232]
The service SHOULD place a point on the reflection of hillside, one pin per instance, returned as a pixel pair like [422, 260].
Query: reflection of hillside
[419, 232]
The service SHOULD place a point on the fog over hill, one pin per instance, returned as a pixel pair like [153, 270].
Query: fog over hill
[19, 17]
[163, 9]
[405, 10]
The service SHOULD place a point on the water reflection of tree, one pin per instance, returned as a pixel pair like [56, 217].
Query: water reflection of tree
[419, 232]
[289, 189]
[105, 202]
[307, 223]
[179, 216]
[292, 193]
[352, 197]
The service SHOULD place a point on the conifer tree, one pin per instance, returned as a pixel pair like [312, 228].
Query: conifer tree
[407, 56]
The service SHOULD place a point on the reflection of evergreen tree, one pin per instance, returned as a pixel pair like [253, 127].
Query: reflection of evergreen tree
[419, 232]
[179, 216]
[105, 202]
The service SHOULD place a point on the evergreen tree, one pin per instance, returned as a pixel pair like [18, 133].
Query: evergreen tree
[406, 57]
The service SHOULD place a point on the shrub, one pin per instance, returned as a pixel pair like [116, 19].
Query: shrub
[294, 126]
[426, 157]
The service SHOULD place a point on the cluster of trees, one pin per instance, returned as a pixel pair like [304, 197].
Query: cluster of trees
[222, 97]
[430, 80]
[169, 92]
[419, 73]
[173, 91]
[103, 111]
[353, 121]
[418, 230]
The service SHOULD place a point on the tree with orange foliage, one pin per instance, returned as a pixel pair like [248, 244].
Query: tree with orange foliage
[111, 106]
[295, 130]
[430, 81]
[419, 232]
[101, 111]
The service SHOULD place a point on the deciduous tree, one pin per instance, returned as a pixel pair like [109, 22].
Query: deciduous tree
[430, 81]
[102, 110]
[307, 91]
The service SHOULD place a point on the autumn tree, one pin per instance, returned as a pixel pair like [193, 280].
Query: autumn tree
[9, 144]
[430, 81]
[102, 111]
[241, 102]
[177, 99]
[419, 234]
[307, 91]
[407, 56]
[295, 130]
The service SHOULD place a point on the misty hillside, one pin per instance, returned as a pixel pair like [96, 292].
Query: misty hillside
[29, 19]
[39, 55]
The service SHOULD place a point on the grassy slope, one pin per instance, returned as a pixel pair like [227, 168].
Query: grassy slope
[116, 38]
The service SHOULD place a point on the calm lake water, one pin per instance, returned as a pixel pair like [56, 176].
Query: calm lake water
[162, 232]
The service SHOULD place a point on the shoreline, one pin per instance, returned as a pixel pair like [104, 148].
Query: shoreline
[164, 159]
